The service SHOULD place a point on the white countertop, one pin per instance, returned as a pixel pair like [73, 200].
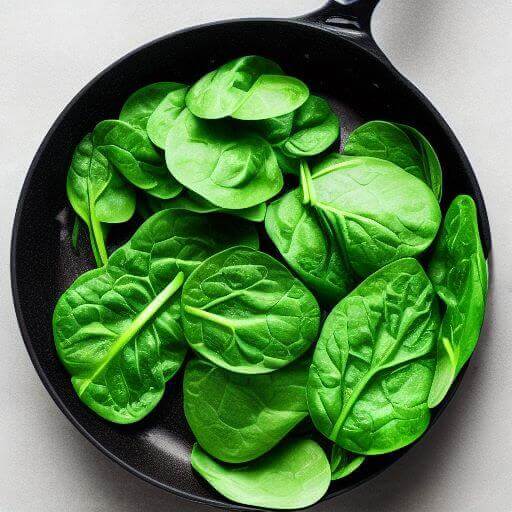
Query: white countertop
[458, 52]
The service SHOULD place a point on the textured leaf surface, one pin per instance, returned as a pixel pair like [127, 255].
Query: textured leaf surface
[118, 369]
[294, 475]
[244, 311]
[308, 245]
[372, 367]
[379, 212]
[458, 271]
[403, 145]
[236, 418]
[228, 167]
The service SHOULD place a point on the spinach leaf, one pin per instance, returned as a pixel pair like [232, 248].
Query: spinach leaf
[98, 194]
[344, 463]
[236, 418]
[118, 329]
[248, 88]
[400, 144]
[378, 212]
[293, 475]
[245, 312]
[139, 107]
[132, 154]
[372, 367]
[308, 245]
[195, 203]
[458, 271]
[164, 116]
[228, 167]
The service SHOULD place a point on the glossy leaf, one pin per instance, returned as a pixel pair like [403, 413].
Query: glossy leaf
[308, 245]
[344, 463]
[372, 367]
[237, 418]
[458, 271]
[228, 167]
[403, 145]
[378, 212]
[293, 475]
[98, 194]
[142, 103]
[245, 312]
[248, 88]
[118, 329]
[164, 116]
[134, 156]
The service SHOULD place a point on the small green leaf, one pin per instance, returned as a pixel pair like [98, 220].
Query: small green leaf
[344, 463]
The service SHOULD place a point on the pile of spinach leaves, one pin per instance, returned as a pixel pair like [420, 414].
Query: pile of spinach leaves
[338, 336]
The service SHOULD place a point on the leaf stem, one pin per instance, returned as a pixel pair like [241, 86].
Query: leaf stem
[136, 326]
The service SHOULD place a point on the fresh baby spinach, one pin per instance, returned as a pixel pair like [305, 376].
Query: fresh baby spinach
[139, 107]
[164, 116]
[98, 194]
[195, 203]
[237, 418]
[372, 367]
[248, 88]
[227, 166]
[134, 156]
[295, 474]
[403, 145]
[118, 329]
[245, 312]
[306, 242]
[458, 271]
[378, 212]
[344, 463]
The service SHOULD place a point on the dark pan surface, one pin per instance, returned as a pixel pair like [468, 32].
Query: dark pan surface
[44, 264]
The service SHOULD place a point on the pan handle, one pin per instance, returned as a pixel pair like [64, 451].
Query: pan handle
[350, 17]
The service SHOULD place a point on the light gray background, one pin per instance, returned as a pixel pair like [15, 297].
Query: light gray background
[459, 54]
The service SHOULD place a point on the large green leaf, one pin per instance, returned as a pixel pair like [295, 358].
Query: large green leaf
[227, 166]
[118, 329]
[403, 145]
[98, 194]
[248, 88]
[237, 418]
[373, 367]
[458, 271]
[308, 245]
[244, 311]
[378, 212]
[293, 475]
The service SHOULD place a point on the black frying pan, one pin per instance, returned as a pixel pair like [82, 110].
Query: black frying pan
[333, 51]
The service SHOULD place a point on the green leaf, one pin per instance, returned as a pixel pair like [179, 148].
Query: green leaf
[118, 330]
[131, 152]
[164, 116]
[401, 144]
[248, 88]
[308, 245]
[294, 475]
[344, 463]
[458, 271]
[228, 167]
[195, 203]
[142, 103]
[378, 212]
[372, 367]
[98, 194]
[237, 418]
[245, 312]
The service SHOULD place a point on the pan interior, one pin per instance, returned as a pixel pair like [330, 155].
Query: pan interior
[359, 87]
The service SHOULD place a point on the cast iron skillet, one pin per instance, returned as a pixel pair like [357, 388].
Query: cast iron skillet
[333, 51]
